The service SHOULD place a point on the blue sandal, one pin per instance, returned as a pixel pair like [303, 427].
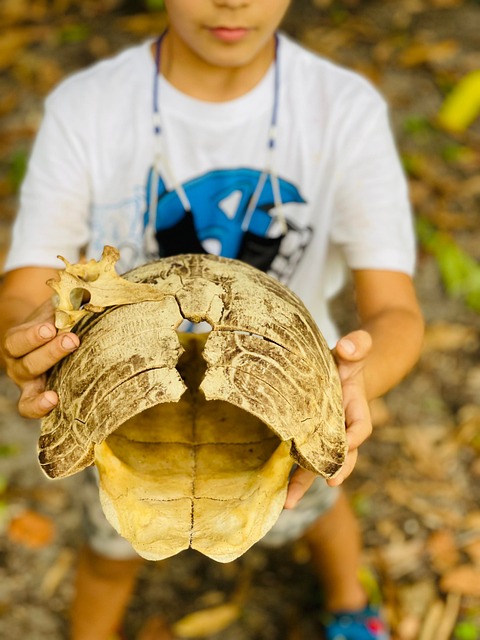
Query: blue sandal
[367, 624]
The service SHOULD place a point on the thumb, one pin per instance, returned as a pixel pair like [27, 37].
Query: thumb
[299, 484]
[354, 346]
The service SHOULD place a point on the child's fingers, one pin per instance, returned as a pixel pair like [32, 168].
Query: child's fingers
[346, 470]
[37, 362]
[21, 340]
[358, 422]
[34, 401]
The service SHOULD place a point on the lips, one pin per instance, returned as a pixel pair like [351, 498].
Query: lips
[229, 34]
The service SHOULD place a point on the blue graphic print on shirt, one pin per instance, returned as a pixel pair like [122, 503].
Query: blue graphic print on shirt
[218, 201]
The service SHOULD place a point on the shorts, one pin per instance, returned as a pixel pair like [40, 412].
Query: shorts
[291, 524]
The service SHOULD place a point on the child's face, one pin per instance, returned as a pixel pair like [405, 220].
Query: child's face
[225, 33]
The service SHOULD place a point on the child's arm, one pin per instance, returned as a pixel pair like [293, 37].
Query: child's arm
[392, 322]
[29, 344]
[371, 360]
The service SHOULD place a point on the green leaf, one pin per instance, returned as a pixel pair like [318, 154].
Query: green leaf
[412, 163]
[462, 105]
[460, 272]
[362, 505]
[73, 33]
[17, 168]
[417, 125]
[466, 631]
[154, 5]
[456, 153]
[7, 450]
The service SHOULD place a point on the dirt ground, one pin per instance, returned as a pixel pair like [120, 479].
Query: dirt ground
[416, 487]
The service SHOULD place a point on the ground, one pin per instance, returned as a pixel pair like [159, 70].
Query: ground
[416, 487]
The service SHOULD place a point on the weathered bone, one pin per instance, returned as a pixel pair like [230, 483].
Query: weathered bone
[99, 283]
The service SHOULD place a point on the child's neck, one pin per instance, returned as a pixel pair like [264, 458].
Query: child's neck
[204, 81]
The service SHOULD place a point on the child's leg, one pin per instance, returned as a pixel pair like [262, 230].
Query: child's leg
[335, 545]
[102, 591]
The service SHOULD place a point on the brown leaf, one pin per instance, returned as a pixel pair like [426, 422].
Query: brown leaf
[428, 52]
[471, 187]
[402, 557]
[473, 550]
[155, 628]
[469, 428]
[441, 618]
[8, 102]
[39, 73]
[142, 24]
[420, 498]
[31, 529]
[56, 573]
[327, 41]
[464, 579]
[207, 622]
[15, 40]
[420, 192]
[442, 548]
[443, 336]
[451, 220]
[431, 622]
[434, 455]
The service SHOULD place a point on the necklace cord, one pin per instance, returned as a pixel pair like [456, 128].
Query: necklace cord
[160, 159]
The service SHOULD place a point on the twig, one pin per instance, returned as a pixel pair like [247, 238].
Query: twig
[432, 621]
[449, 617]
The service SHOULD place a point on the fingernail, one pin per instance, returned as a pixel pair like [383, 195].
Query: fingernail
[348, 346]
[45, 403]
[46, 332]
[68, 343]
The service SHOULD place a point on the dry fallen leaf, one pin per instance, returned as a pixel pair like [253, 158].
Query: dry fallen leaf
[156, 627]
[15, 40]
[442, 549]
[440, 619]
[402, 557]
[31, 529]
[142, 23]
[464, 579]
[473, 551]
[428, 52]
[56, 573]
[206, 622]
[443, 336]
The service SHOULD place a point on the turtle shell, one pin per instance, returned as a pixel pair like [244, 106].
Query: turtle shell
[195, 436]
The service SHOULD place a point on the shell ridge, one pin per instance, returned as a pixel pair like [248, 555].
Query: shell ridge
[129, 379]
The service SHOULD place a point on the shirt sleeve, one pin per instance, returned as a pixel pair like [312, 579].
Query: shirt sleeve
[53, 216]
[372, 223]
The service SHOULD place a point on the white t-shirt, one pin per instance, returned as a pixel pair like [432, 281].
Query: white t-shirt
[343, 191]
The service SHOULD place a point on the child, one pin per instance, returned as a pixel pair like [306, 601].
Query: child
[224, 136]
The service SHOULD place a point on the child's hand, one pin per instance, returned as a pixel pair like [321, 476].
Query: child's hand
[299, 484]
[350, 354]
[30, 350]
